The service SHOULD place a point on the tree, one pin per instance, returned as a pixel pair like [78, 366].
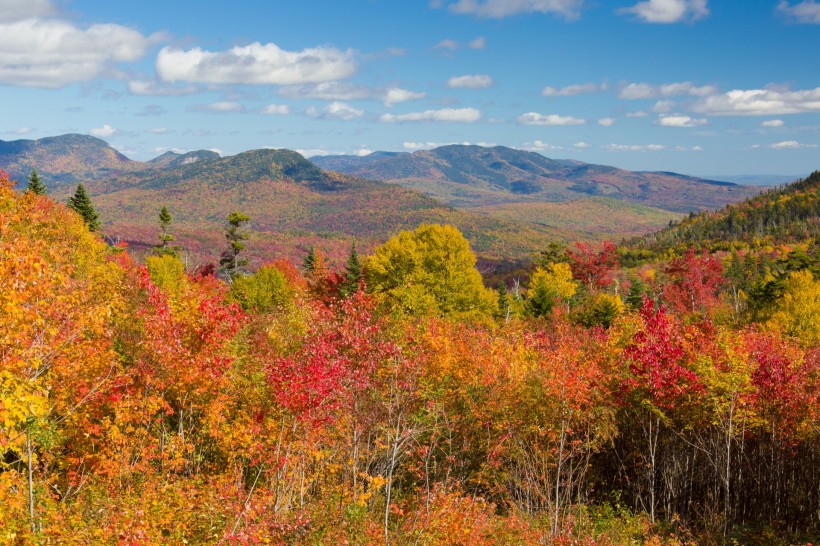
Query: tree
[353, 274]
[35, 185]
[429, 271]
[165, 221]
[548, 287]
[80, 203]
[309, 263]
[230, 262]
[593, 266]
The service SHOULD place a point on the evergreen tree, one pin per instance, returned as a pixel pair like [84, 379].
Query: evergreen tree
[353, 273]
[35, 185]
[165, 237]
[80, 203]
[637, 291]
[309, 263]
[230, 263]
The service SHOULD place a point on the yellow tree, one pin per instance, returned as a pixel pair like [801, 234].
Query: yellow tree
[798, 311]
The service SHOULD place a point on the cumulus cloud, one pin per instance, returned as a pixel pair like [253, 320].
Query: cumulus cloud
[635, 91]
[16, 10]
[256, 63]
[220, 107]
[649, 148]
[478, 43]
[679, 120]
[447, 115]
[791, 145]
[335, 110]
[447, 44]
[772, 123]
[760, 102]
[580, 145]
[807, 11]
[668, 11]
[395, 95]
[606, 122]
[572, 90]
[534, 118]
[52, 53]
[663, 106]
[498, 9]
[472, 81]
[158, 89]
[276, 109]
[102, 132]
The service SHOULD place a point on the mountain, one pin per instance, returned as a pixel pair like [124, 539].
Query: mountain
[63, 159]
[292, 203]
[174, 159]
[475, 176]
[757, 179]
[786, 215]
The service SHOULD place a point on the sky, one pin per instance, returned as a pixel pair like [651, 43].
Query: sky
[705, 87]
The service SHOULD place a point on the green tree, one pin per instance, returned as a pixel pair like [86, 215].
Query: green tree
[165, 237]
[80, 203]
[549, 286]
[231, 263]
[429, 271]
[35, 184]
[353, 273]
[309, 263]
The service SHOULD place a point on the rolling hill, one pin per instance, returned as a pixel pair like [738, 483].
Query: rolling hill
[475, 176]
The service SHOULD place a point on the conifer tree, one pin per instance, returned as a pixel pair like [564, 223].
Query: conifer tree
[35, 184]
[309, 263]
[353, 273]
[230, 262]
[165, 237]
[80, 203]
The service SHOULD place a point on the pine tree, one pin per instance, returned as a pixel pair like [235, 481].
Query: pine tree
[80, 203]
[230, 263]
[353, 273]
[165, 237]
[35, 184]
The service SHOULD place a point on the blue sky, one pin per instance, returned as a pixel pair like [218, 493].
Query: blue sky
[694, 86]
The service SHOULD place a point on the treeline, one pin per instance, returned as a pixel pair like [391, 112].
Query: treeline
[786, 214]
[396, 400]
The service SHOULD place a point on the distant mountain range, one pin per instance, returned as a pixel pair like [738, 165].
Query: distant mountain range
[508, 203]
[475, 176]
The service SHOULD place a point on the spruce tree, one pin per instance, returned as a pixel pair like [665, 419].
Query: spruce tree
[309, 263]
[165, 237]
[353, 273]
[230, 263]
[35, 185]
[80, 202]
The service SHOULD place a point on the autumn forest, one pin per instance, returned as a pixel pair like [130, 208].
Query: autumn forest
[664, 390]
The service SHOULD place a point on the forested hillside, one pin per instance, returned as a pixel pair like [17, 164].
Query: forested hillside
[396, 399]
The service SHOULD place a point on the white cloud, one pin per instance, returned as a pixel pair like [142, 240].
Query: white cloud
[361, 152]
[472, 81]
[606, 122]
[498, 9]
[637, 114]
[580, 145]
[256, 63]
[478, 43]
[395, 95]
[635, 91]
[102, 132]
[24, 131]
[678, 120]
[159, 130]
[52, 53]
[791, 145]
[541, 146]
[447, 44]
[649, 148]
[772, 123]
[333, 90]
[571, 90]
[220, 107]
[534, 118]
[276, 109]
[669, 11]
[335, 110]
[447, 115]
[807, 11]
[155, 88]
[663, 106]
[423, 145]
[17, 10]
[760, 102]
